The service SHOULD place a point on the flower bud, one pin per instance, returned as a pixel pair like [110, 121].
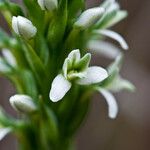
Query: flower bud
[23, 27]
[89, 17]
[9, 57]
[48, 4]
[22, 103]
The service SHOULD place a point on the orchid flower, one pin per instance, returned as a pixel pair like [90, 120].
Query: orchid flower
[114, 83]
[75, 68]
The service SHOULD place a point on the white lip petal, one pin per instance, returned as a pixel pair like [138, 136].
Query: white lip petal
[60, 86]
[94, 75]
[114, 36]
[111, 101]
[4, 132]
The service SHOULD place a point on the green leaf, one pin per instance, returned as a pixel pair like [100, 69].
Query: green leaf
[4, 39]
[49, 124]
[58, 25]
[5, 120]
[35, 13]
[74, 7]
[15, 9]
[35, 63]
[42, 48]
[28, 82]
[9, 9]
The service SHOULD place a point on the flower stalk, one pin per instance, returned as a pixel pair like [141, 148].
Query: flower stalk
[47, 57]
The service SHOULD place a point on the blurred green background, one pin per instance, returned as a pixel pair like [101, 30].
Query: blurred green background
[131, 129]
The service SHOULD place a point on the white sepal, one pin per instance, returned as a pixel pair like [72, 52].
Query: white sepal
[103, 48]
[94, 75]
[60, 86]
[48, 4]
[74, 56]
[111, 101]
[23, 27]
[4, 132]
[114, 36]
[89, 17]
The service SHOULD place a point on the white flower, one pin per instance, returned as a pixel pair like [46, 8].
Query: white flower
[114, 83]
[23, 27]
[76, 68]
[48, 4]
[4, 132]
[89, 17]
[22, 103]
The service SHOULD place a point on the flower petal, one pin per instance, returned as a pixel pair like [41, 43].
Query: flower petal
[114, 36]
[60, 86]
[94, 74]
[4, 132]
[74, 55]
[111, 101]
[103, 48]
